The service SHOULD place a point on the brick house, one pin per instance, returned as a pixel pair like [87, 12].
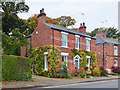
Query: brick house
[107, 50]
[63, 38]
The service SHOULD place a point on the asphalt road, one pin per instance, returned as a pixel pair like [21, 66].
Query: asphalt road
[99, 84]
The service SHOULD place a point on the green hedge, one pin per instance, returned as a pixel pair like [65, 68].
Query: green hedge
[16, 68]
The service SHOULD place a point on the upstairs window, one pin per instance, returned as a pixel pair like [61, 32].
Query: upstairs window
[77, 42]
[88, 44]
[115, 50]
[64, 39]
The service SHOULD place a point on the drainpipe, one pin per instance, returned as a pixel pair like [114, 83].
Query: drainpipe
[53, 44]
[103, 56]
[53, 38]
[103, 51]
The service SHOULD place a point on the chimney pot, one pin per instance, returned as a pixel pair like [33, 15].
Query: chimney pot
[80, 24]
[83, 24]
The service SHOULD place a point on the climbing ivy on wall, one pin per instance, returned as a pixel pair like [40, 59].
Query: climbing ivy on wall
[37, 57]
[83, 59]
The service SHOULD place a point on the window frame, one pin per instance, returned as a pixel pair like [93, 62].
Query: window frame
[88, 64]
[64, 39]
[45, 61]
[77, 37]
[77, 60]
[115, 51]
[88, 45]
[63, 54]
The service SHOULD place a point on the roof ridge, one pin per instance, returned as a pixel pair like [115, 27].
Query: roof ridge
[70, 29]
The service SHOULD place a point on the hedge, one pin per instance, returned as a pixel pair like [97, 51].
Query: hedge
[16, 68]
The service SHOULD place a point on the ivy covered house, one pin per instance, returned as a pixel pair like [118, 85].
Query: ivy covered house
[47, 34]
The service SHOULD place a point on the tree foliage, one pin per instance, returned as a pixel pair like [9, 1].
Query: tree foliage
[11, 45]
[66, 21]
[10, 20]
[111, 32]
[63, 21]
[18, 6]
[32, 22]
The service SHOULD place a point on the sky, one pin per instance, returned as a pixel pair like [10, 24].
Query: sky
[97, 13]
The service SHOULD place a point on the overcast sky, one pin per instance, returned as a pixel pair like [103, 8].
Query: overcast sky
[97, 13]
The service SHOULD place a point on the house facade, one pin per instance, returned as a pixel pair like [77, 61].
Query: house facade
[64, 39]
[107, 51]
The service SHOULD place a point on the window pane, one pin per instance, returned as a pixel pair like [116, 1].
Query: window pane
[115, 50]
[77, 42]
[76, 64]
[88, 45]
[64, 40]
[62, 58]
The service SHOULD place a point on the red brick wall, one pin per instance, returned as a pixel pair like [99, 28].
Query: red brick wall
[109, 55]
[43, 36]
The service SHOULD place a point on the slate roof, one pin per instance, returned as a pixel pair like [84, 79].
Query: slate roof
[60, 28]
[106, 40]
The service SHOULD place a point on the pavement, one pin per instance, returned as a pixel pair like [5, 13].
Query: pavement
[40, 81]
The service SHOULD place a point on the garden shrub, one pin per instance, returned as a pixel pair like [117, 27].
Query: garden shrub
[62, 73]
[16, 68]
[88, 76]
[115, 69]
[96, 72]
[88, 72]
[80, 72]
[103, 72]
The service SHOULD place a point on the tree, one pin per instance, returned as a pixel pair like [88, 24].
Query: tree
[11, 45]
[32, 22]
[10, 20]
[18, 6]
[93, 33]
[111, 32]
[66, 21]
[63, 21]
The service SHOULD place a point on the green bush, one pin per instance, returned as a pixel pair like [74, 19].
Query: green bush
[88, 76]
[62, 73]
[80, 72]
[103, 72]
[16, 68]
[96, 72]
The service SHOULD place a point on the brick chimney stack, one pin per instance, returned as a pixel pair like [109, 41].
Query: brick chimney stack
[41, 16]
[82, 27]
[102, 32]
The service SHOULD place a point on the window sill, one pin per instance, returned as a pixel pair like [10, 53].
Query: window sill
[77, 48]
[64, 46]
[87, 50]
[45, 69]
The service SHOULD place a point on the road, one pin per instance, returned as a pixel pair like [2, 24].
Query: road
[99, 84]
